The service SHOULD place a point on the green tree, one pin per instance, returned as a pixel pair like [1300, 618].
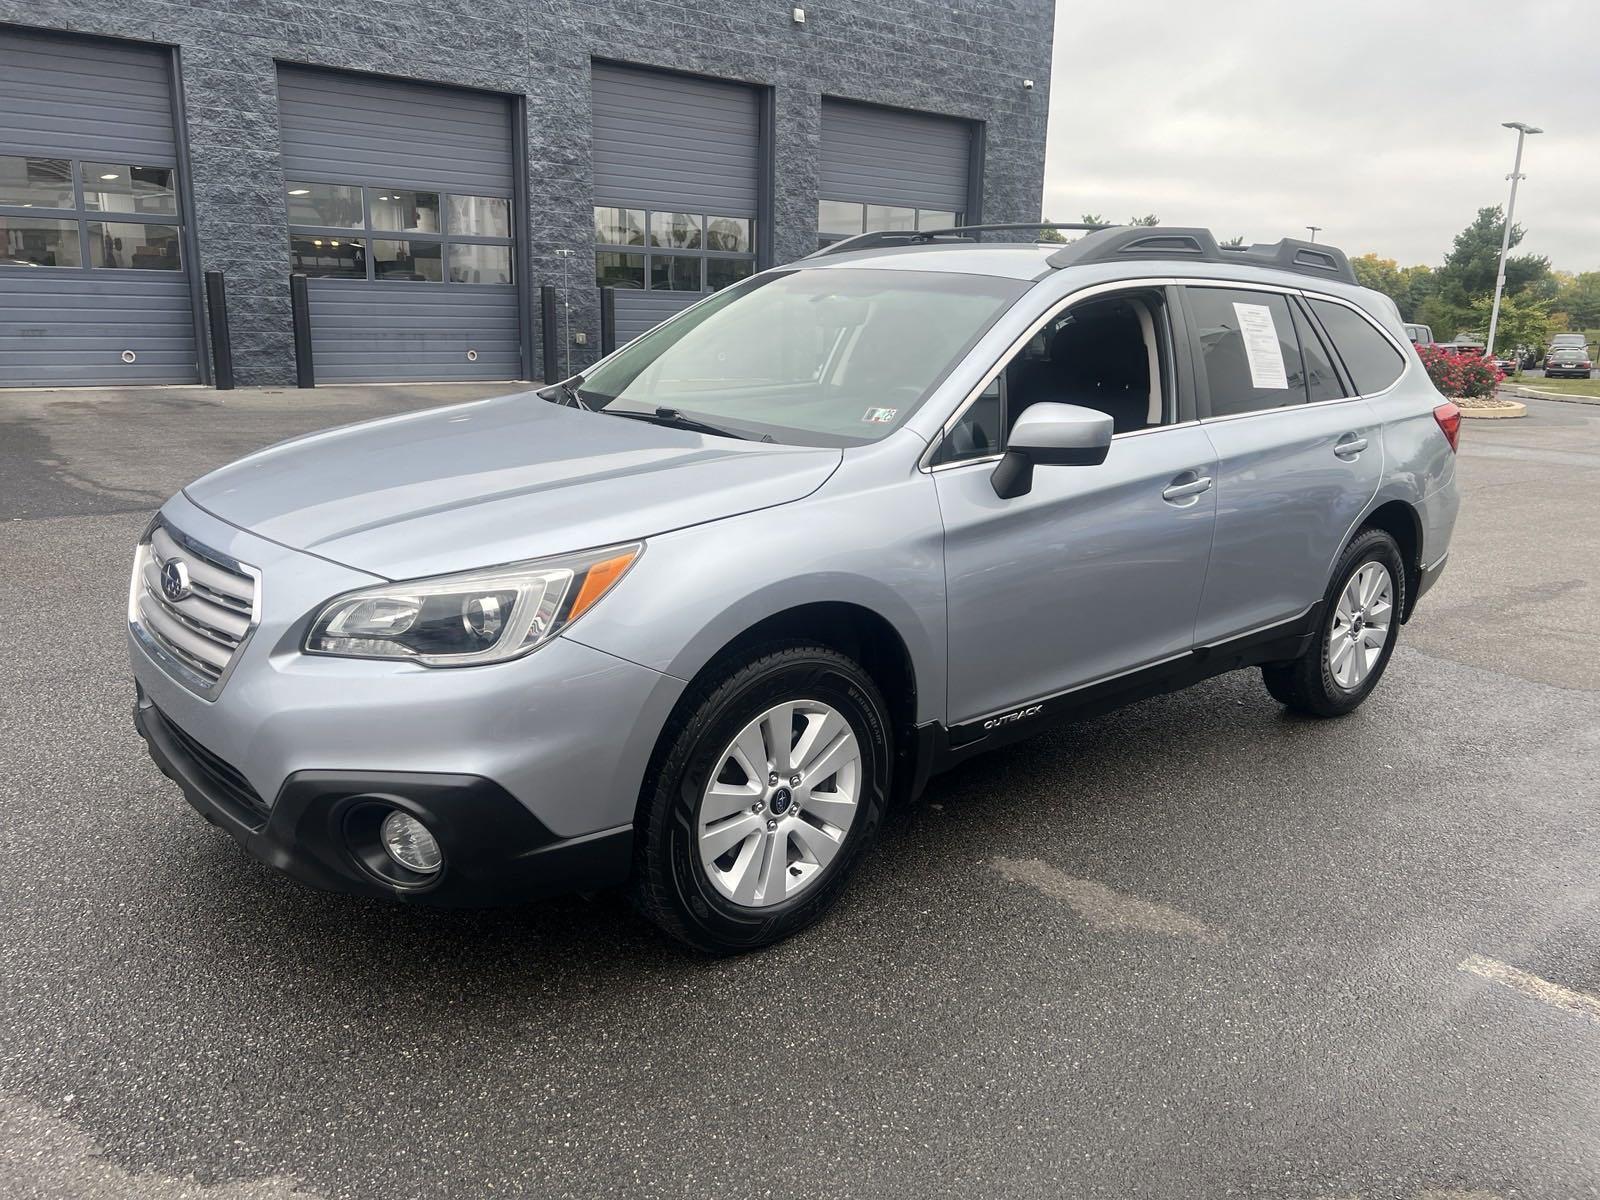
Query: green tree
[1409, 287]
[1469, 269]
[1579, 297]
[1148, 219]
[1093, 219]
[1524, 321]
[1233, 242]
[1379, 274]
[1051, 235]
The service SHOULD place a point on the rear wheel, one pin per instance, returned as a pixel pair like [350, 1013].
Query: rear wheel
[772, 786]
[1360, 621]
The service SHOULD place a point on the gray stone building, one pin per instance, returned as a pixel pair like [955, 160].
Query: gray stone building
[431, 166]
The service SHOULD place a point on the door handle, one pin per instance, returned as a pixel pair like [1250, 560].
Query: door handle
[1349, 446]
[1175, 491]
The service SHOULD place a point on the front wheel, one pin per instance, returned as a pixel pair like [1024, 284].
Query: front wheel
[773, 783]
[1361, 619]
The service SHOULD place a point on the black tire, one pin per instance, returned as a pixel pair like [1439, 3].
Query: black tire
[1306, 684]
[670, 886]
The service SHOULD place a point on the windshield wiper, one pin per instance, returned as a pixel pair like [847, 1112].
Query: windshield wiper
[674, 419]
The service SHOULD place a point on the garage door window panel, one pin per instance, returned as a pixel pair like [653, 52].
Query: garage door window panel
[397, 211]
[454, 239]
[837, 219]
[408, 261]
[39, 242]
[83, 193]
[36, 182]
[678, 231]
[135, 246]
[681, 252]
[325, 205]
[480, 216]
[125, 188]
[471, 263]
[328, 256]
[619, 270]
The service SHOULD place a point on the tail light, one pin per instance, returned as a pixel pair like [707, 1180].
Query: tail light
[1586, 364]
[1449, 418]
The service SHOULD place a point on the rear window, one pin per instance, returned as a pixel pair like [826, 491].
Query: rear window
[1369, 357]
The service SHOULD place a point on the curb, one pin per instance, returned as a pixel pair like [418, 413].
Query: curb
[1503, 411]
[1561, 397]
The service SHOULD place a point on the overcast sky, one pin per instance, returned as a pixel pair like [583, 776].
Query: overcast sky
[1377, 119]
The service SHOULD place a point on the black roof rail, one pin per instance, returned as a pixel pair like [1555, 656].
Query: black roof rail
[1154, 242]
[955, 233]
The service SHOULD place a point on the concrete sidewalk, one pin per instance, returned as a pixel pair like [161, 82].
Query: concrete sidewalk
[105, 450]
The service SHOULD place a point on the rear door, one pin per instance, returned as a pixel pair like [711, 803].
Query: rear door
[1299, 454]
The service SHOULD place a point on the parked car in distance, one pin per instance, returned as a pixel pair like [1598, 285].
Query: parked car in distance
[1462, 349]
[1568, 364]
[1507, 363]
[1419, 335]
[691, 621]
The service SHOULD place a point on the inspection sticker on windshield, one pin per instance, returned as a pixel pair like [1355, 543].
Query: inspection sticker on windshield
[880, 416]
[1261, 346]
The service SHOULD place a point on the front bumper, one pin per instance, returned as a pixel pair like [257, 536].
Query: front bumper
[565, 734]
[320, 828]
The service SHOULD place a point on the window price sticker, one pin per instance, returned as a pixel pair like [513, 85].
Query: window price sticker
[1261, 346]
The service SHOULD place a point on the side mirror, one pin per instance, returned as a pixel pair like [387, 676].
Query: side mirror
[1055, 435]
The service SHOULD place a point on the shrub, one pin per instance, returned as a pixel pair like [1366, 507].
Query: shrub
[1459, 376]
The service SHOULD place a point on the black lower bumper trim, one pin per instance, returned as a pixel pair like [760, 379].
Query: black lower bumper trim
[319, 829]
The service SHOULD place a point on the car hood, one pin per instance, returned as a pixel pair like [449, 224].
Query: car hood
[496, 481]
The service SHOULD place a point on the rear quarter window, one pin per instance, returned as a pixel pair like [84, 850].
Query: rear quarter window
[1369, 357]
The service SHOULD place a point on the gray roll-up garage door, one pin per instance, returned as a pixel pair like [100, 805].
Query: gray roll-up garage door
[676, 189]
[882, 168]
[94, 277]
[400, 198]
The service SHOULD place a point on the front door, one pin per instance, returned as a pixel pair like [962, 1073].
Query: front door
[1094, 572]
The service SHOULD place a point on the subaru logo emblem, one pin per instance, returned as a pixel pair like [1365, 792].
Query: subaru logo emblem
[175, 580]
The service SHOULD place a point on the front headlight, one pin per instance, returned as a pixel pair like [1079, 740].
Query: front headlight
[475, 617]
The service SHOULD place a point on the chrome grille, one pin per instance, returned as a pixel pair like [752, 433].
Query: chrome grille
[195, 631]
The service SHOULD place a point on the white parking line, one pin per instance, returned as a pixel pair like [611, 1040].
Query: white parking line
[1532, 986]
[1103, 907]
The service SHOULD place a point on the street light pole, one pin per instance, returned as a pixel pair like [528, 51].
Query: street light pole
[1315, 229]
[1523, 130]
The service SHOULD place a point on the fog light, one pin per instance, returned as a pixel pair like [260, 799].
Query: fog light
[409, 843]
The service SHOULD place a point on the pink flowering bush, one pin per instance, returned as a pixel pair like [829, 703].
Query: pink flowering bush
[1460, 376]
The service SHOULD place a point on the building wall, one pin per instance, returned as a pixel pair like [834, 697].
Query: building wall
[964, 58]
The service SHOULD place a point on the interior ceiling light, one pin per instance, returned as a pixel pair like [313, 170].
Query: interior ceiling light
[113, 175]
[299, 191]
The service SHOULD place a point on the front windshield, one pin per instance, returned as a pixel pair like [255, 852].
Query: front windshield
[819, 357]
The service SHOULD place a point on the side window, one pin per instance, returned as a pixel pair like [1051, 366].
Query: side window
[981, 429]
[1372, 361]
[1322, 381]
[1248, 348]
[1109, 353]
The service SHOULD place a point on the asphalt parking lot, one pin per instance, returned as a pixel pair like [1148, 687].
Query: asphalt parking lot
[1194, 948]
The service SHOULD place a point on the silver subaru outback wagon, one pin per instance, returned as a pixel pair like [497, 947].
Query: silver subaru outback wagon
[690, 622]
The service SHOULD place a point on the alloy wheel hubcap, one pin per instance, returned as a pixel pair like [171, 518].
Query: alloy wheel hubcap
[779, 803]
[1361, 620]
